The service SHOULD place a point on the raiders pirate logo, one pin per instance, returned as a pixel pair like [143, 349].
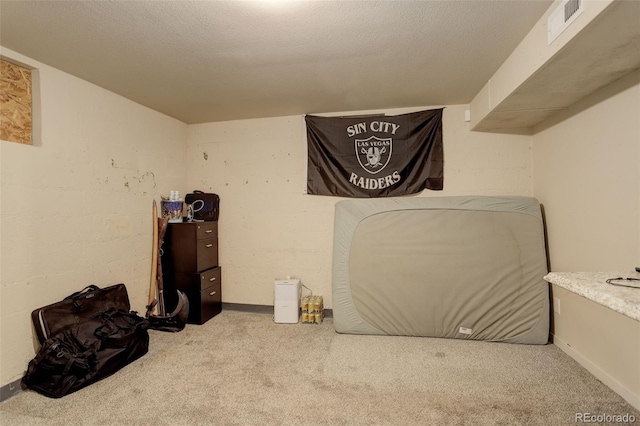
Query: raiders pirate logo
[373, 153]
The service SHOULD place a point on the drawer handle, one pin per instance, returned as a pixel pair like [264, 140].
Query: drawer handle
[208, 231]
[212, 293]
[212, 279]
[209, 245]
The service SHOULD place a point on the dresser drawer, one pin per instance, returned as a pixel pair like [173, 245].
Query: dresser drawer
[210, 304]
[204, 292]
[206, 230]
[206, 254]
[210, 278]
[196, 282]
[192, 247]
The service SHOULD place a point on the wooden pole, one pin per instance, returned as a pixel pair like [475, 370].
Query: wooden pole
[154, 255]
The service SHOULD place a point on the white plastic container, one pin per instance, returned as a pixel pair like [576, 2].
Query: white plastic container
[286, 301]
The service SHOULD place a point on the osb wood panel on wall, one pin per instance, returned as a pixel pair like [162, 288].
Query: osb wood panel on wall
[15, 103]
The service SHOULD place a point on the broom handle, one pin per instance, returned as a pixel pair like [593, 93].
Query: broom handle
[159, 278]
[154, 255]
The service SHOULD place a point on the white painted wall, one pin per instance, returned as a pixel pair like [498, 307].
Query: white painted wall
[269, 228]
[76, 208]
[586, 168]
[586, 165]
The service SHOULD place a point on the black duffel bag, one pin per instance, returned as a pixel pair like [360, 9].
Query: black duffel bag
[81, 305]
[87, 352]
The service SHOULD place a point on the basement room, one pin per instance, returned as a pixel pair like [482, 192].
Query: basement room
[305, 212]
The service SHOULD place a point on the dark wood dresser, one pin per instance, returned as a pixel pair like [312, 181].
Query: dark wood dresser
[190, 264]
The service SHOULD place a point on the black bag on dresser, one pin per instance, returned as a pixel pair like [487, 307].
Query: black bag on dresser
[81, 305]
[87, 352]
[205, 206]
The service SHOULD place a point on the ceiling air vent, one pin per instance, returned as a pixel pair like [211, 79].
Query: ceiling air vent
[562, 17]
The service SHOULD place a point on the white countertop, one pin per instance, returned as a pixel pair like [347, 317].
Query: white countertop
[593, 286]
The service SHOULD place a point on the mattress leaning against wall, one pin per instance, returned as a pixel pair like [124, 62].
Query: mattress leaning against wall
[455, 267]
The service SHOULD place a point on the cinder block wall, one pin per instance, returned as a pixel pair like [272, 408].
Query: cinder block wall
[76, 206]
[270, 228]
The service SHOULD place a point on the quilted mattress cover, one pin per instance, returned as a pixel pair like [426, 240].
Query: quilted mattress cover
[454, 267]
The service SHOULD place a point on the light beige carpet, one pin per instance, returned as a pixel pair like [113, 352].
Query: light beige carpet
[241, 368]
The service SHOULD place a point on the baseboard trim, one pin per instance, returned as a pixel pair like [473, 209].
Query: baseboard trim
[10, 389]
[243, 307]
[600, 374]
[261, 309]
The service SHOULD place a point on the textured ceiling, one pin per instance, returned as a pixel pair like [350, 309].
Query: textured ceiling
[224, 60]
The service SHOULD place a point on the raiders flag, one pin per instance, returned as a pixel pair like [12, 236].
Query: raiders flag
[375, 156]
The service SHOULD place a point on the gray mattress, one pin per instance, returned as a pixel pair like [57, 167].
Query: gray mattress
[456, 267]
